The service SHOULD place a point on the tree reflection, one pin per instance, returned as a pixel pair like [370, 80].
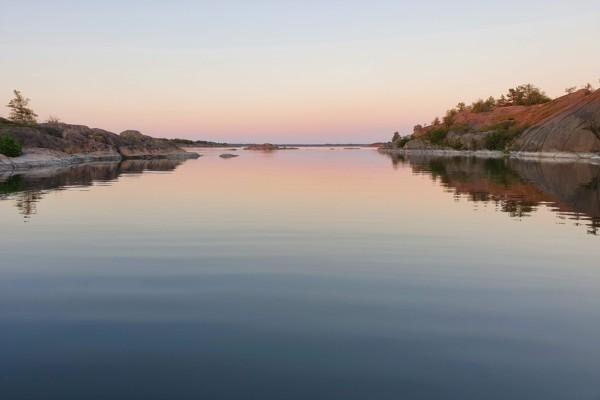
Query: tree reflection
[28, 188]
[517, 187]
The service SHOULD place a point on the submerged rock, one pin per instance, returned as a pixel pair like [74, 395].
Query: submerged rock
[226, 155]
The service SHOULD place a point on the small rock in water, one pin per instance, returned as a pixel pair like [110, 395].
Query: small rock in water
[227, 155]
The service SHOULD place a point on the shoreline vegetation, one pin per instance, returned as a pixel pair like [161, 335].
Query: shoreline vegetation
[523, 123]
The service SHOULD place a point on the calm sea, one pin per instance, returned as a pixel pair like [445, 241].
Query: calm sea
[301, 274]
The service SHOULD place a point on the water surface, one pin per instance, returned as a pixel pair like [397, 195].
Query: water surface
[310, 273]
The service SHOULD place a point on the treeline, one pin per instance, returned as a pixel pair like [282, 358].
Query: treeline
[199, 143]
[522, 95]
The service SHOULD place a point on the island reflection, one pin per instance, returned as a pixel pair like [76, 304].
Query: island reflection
[27, 188]
[517, 187]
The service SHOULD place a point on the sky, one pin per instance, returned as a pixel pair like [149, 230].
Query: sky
[286, 71]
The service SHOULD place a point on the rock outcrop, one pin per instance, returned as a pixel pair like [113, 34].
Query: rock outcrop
[64, 144]
[574, 130]
[569, 124]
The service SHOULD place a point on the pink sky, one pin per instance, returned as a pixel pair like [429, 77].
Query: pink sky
[276, 72]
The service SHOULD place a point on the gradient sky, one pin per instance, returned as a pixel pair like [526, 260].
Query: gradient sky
[286, 71]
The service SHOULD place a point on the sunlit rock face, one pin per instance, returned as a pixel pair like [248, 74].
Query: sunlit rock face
[575, 130]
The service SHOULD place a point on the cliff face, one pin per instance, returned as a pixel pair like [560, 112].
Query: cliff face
[574, 130]
[49, 144]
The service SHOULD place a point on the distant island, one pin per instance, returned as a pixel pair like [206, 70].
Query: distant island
[196, 143]
[523, 122]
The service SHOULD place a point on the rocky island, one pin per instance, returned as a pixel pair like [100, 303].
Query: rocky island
[524, 123]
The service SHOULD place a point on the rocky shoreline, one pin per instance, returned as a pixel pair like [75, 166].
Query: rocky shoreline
[54, 145]
[34, 158]
[593, 158]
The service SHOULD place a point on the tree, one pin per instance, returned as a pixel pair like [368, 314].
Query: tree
[450, 117]
[19, 112]
[436, 121]
[502, 102]
[483, 105]
[526, 95]
[571, 89]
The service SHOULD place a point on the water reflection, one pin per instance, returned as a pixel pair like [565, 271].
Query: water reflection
[517, 187]
[27, 188]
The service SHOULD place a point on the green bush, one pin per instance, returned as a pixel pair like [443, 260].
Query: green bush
[503, 133]
[497, 140]
[437, 136]
[9, 145]
[400, 141]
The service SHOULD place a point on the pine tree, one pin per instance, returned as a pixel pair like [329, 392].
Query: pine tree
[19, 112]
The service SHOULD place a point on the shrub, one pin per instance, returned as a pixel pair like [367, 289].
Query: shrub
[403, 140]
[503, 133]
[437, 136]
[497, 140]
[9, 145]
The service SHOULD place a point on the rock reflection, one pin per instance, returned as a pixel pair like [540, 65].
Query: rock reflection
[518, 187]
[27, 188]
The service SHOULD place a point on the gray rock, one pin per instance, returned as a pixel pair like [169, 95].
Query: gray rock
[575, 130]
